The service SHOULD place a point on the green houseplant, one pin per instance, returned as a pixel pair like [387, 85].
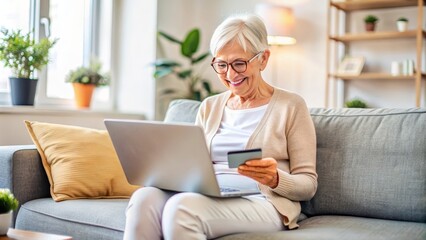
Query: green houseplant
[355, 103]
[23, 56]
[197, 86]
[370, 22]
[402, 24]
[85, 80]
[8, 203]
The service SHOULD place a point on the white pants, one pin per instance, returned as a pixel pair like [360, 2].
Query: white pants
[156, 214]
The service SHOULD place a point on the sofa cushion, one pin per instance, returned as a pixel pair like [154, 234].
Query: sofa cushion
[81, 218]
[343, 227]
[79, 162]
[182, 110]
[371, 163]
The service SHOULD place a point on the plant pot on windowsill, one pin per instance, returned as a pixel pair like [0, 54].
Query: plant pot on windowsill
[22, 90]
[24, 56]
[83, 94]
[85, 80]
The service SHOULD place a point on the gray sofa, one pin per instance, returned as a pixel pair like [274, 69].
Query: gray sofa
[371, 166]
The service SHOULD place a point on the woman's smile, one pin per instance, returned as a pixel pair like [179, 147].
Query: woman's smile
[238, 82]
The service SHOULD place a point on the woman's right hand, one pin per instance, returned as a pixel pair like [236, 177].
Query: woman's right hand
[262, 170]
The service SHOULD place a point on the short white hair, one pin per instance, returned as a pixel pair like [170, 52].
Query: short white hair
[248, 30]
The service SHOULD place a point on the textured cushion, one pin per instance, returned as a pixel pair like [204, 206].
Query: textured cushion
[182, 110]
[80, 218]
[343, 227]
[371, 163]
[79, 162]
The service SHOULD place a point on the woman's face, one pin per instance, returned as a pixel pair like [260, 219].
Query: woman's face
[244, 83]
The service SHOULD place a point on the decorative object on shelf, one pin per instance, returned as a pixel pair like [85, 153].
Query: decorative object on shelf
[395, 68]
[355, 103]
[197, 87]
[370, 23]
[351, 66]
[8, 203]
[408, 67]
[85, 80]
[24, 56]
[402, 24]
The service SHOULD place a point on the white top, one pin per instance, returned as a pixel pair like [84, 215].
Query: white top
[234, 131]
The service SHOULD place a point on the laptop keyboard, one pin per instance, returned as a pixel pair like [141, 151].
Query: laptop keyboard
[228, 189]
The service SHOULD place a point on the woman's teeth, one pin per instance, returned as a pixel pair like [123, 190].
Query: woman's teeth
[237, 83]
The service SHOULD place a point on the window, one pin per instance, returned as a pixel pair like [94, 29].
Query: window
[68, 53]
[82, 35]
[77, 26]
[102, 28]
[14, 14]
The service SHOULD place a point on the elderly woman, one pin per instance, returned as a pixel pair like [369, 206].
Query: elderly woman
[251, 114]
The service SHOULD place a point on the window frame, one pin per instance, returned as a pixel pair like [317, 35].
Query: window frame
[39, 9]
[90, 40]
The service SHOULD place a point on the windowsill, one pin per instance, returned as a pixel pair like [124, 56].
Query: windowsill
[64, 111]
[14, 132]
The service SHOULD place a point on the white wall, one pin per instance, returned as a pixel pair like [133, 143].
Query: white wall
[134, 34]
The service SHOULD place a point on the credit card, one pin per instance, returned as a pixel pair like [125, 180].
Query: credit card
[236, 158]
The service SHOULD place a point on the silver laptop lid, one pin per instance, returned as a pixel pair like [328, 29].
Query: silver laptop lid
[168, 156]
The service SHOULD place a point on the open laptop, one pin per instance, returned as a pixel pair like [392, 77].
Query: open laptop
[172, 156]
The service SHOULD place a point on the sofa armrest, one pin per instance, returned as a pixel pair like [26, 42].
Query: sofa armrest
[21, 170]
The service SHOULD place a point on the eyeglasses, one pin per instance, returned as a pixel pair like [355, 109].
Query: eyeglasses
[239, 66]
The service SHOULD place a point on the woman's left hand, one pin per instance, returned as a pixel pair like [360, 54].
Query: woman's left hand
[262, 170]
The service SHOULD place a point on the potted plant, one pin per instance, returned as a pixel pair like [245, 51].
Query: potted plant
[24, 56]
[197, 87]
[355, 103]
[402, 24]
[85, 80]
[8, 203]
[370, 23]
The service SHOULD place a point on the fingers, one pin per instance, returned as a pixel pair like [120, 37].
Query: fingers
[263, 171]
[264, 162]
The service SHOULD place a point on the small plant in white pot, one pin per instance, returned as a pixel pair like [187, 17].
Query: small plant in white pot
[8, 203]
[402, 24]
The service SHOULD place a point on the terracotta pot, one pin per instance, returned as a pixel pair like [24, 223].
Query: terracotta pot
[370, 27]
[5, 222]
[83, 94]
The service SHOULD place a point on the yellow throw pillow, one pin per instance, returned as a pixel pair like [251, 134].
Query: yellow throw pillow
[79, 162]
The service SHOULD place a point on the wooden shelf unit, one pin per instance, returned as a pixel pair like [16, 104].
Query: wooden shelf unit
[375, 76]
[418, 35]
[375, 36]
[356, 5]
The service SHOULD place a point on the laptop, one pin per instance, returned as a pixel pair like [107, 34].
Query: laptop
[172, 156]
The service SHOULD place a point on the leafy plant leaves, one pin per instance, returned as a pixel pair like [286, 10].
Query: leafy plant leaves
[200, 58]
[191, 42]
[196, 87]
[159, 73]
[168, 37]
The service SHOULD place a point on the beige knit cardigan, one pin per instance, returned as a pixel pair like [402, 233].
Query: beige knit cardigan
[286, 133]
